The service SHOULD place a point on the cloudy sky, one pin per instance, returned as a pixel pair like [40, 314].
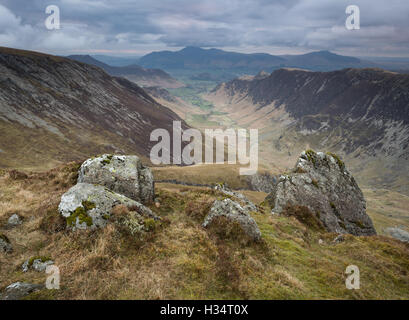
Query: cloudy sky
[136, 27]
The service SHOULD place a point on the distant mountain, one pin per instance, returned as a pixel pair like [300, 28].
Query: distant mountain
[391, 63]
[363, 114]
[117, 61]
[202, 61]
[325, 61]
[54, 109]
[198, 58]
[134, 73]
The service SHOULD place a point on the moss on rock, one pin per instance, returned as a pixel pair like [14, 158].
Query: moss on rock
[82, 216]
[311, 156]
[340, 163]
[41, 258]
[88, 205]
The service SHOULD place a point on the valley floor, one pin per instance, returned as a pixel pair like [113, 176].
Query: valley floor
[181, 260]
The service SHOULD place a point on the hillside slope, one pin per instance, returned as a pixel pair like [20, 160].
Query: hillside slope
[361, 113]
[181, 107]
[54, 109]
[141, 76]
[182, 260]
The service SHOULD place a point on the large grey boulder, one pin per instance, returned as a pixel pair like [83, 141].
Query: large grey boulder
[5, 245]
[19, 290]
[122, 174]
[322, 183]
[233, 211]
[89, 206]
[398, 233]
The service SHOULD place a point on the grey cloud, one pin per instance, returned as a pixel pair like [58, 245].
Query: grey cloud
[145, 25]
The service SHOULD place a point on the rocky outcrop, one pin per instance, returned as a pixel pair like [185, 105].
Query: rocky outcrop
[233, 211]
[322, 183]
[89, 206]
[122, 174]
[398, 233]
[19, 290]
[5, 245]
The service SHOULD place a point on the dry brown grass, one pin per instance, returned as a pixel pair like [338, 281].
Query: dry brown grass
[182, 260]
[204, 174]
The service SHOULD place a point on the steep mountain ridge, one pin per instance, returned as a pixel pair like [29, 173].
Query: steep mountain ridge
[306, 93]
[134, 73]
[361, 113]
[54, 109]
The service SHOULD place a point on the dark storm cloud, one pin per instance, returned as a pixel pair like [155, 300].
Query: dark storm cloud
[127, 26]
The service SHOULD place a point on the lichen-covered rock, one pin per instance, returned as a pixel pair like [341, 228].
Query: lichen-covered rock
[14, 220]
[89, 206]
[122, 174]
[247, 204]
[5, 245]
[235, 212]
[321, 183]
[19, 290]
[38, 264]
[399, 234]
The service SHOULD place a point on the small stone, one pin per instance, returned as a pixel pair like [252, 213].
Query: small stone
[339, 238]
[398, 234]
[250, 206]
[5, 244]
[14, 220]
[19, 290]
[320, 242]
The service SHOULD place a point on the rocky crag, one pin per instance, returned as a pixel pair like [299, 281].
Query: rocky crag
[322, 183]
